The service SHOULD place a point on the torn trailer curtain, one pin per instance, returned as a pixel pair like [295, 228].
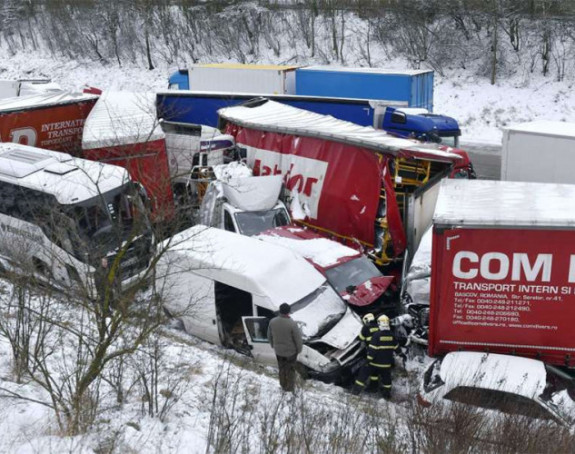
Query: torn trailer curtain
[340, 183]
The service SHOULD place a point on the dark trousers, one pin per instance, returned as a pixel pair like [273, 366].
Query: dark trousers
[382, 375]
[286, 366]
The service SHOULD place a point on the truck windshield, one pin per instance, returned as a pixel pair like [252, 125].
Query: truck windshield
[355, 272]
[255, 222]
[318, 312]
[104, 222]
[450, 141]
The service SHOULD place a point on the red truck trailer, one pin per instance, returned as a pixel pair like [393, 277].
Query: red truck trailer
[503, 270]
[123, 129]
[53, 121]
[354, 182]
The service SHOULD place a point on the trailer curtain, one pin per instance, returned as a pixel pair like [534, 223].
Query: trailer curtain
[339, 184]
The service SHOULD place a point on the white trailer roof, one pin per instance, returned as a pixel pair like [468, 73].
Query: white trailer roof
[276, 117]
[121, 118]
[42, 100]
[407, 72]
[505, 204]
[244, 66]
[70, 180]
[547, 128]
[272, 272]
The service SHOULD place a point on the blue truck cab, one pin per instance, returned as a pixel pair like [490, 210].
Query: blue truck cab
[419, 124]
[179, 80]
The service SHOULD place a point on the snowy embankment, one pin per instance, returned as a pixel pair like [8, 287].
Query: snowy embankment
[211, 396]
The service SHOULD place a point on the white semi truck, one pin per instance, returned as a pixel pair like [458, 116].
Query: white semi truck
[539, 151]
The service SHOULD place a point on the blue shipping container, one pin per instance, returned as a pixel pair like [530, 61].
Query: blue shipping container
[414, 87]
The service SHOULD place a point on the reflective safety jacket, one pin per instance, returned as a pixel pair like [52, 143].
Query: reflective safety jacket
[380, 349]
[367, 332]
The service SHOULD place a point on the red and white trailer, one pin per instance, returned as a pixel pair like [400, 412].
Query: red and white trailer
[354, 182]
[52, 121]
[503, 270]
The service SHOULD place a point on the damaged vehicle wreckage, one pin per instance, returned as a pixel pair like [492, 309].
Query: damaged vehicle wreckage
[352, 275]
[60, 216]
[355, 184]
[226, 287]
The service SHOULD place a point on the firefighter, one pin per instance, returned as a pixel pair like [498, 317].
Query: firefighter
[367, 330]
[380, 359]
[369, 327]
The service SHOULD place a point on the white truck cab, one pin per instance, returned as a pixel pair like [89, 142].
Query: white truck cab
[246, 205]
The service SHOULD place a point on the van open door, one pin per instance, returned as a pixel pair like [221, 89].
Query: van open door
[256, 329]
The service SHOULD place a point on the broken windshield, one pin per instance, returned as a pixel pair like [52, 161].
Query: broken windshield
[318, 312]
[104, 222]
[355, 272]
[255, 222]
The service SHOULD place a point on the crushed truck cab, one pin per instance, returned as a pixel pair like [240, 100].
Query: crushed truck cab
[226, 287]
[244, 204]
[352, 275]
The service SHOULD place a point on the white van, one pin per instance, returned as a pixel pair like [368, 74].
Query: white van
[226, 287]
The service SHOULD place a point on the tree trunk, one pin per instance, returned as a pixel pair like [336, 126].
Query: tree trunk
[494, 42]
[148, 54]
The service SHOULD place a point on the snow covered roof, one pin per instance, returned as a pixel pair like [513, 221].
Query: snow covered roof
[505, 203]
[321, 251]
[253, 193]
[121, 118]
[407, 72]
[523, 376]
[42, 100]
[276, 117]
[272, 272]
[245, 66]
[547, 128]
[70, 180]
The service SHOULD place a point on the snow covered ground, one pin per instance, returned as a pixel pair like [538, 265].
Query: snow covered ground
[212, 390]
[482, 109]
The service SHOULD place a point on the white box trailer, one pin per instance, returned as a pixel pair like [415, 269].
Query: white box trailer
[237, 78]
[539, 151]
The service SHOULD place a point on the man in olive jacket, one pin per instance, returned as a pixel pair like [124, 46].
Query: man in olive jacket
[285, 338]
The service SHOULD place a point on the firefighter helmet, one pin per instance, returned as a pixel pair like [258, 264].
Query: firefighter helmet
[368, 318]
[383, 322]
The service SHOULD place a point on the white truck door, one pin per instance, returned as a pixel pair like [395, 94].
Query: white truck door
[256, 329]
